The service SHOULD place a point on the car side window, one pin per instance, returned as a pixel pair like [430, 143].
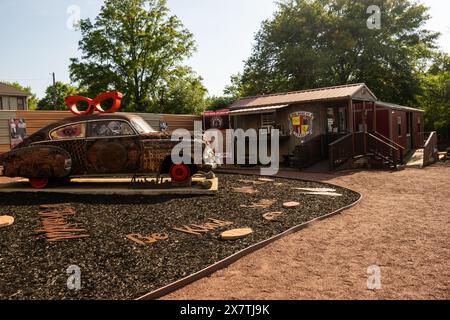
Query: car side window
[73, 131]
[109, 128]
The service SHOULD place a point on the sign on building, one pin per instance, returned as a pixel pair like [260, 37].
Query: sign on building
[301, 124]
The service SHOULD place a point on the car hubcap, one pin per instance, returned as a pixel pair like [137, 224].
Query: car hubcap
[38, 183]
[180, 173]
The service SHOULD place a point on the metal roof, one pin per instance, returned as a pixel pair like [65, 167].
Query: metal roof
[329, 93]
[258, 109]
[397, 106]
[8, 90]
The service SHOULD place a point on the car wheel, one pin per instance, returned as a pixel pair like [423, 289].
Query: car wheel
[38, 183]
[180, 173]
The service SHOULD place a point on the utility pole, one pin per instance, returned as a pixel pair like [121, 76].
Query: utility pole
[54, 91]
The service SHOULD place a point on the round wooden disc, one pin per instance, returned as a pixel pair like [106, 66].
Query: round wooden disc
[291, 204]
[235, 234]
[272, 215]
[6, 221]
[265, 180]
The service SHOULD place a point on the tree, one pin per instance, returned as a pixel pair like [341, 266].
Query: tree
[137, 47]
[316, 43]
[54, 96]
[435, 96]
[32, 100]
[218, 102]
[183, 93]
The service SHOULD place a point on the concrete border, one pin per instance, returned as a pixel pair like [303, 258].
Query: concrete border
[23, 187]
[238, 255]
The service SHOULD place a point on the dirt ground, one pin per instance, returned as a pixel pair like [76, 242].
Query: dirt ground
[402, 225]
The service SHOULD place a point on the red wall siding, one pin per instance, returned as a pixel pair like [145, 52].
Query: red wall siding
[400, 139]
[417, 127]
[383, 122]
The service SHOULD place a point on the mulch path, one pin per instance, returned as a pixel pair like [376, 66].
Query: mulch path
[114, 267]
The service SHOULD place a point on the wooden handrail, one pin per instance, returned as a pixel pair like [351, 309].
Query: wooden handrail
[384, 142]
[340, 139]
[398, 152]
[430, 149]
[338, 155]
[386, 139]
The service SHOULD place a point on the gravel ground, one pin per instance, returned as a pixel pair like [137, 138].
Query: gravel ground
[113, 267]
[402, 225]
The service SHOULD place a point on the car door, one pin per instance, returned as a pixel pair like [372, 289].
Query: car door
[112, 147]
[71, 137]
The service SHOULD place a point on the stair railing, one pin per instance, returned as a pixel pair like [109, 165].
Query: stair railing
[430, 150]
[340, 151]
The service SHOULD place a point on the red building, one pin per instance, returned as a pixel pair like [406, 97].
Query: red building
[344, 124]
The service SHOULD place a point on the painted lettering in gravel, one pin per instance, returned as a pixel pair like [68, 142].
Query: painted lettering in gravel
[203, 228]
[74, 279]
[146, 240]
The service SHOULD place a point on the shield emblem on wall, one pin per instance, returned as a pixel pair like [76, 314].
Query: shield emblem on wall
[301, 123]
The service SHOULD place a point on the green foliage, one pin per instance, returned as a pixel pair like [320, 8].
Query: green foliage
[317, 43]
[137, 47]
[32, 100]
[218, 102]
[435, 96]
[54, 96]
[183, 93]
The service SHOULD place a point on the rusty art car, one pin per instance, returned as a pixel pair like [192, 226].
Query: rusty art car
[95, 145]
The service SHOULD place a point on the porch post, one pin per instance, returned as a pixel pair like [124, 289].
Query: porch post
[364, 119]
[374, 117]
[350, 122]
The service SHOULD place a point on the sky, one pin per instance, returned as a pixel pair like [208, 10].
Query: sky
[37, 38]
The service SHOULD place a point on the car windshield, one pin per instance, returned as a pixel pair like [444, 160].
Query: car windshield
[141, 125]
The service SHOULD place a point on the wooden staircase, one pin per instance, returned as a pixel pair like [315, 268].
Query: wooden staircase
[369, 149]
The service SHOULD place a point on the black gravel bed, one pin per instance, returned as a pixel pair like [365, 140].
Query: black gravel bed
[113, 267]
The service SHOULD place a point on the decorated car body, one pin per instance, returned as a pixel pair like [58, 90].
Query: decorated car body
[101, 144]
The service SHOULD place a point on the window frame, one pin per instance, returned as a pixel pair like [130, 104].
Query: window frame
[88, 137]
[68, 125]
[22, 105]
[271, 123]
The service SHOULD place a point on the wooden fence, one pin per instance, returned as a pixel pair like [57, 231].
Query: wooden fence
[35, 120]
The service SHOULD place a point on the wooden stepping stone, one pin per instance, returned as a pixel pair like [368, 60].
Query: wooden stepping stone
[316, 189]
[236, 234]
[251, 182]
[291, 204]
[330, 194]
[272, 215]
[248, 190]
[6, 221]
[264, 203]
[278, 184]
[266, 180]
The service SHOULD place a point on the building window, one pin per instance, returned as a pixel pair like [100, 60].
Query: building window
[1, 103]
[267, 119]
[20, 104]
[399, 126]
